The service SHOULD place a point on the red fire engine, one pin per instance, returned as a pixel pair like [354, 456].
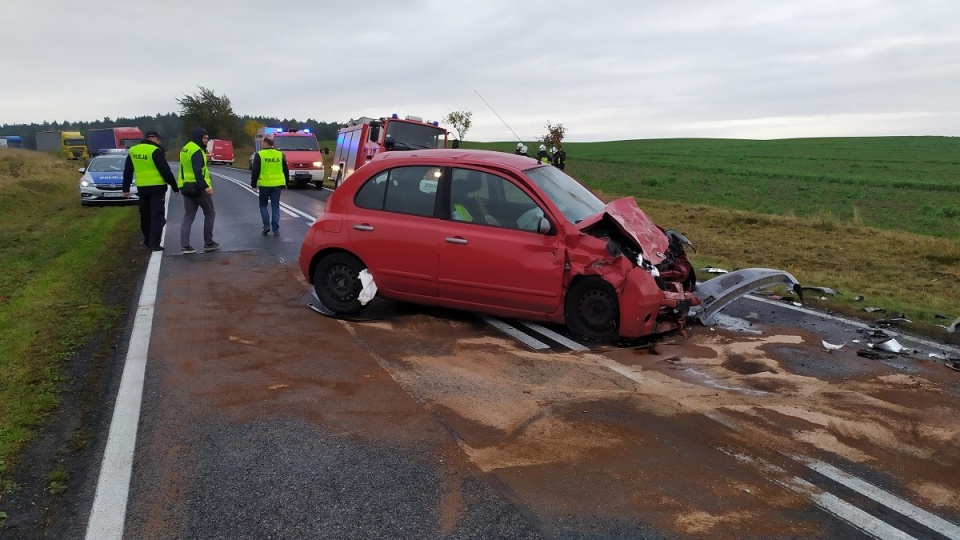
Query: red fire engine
[361, 139]
[304, 157]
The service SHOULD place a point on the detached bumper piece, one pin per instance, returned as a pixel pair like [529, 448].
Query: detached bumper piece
[717, 293]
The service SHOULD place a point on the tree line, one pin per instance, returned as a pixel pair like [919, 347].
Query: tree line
[205, 109]
[214, 113]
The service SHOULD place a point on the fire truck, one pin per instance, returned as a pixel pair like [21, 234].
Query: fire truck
[361, 139]
[300, 147]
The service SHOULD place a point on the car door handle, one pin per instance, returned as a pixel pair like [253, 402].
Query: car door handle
[363, 227]
[456, 240]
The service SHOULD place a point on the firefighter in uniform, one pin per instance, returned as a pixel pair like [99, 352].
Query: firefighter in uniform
[268, 175]
[147, 161]
[193, 169]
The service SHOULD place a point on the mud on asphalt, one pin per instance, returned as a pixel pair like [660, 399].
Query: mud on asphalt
[462, 432]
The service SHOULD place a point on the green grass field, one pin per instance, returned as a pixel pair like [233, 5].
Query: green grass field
[908, 184]
[56, 263]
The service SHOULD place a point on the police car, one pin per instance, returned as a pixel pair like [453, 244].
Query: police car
[102, 181]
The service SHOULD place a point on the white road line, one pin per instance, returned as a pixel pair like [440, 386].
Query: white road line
[826, 501]
[883, 497]
[109, 510]
[287, 209]
[514, 333]
[570, 344]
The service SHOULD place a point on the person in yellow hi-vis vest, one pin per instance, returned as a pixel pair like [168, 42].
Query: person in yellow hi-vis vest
[193, 170]
[147, 162]
[268, 175]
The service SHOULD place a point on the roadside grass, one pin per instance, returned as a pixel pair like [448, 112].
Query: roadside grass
[56, 259]
[877, 217]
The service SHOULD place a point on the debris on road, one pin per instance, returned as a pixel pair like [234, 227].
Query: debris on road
[822, 290]
[717, 293]
[830, 347]
[953, 328]
[713, 270]
[891, 345]
[893, 321]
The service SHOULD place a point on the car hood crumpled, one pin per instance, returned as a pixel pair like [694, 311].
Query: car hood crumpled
[636, 225]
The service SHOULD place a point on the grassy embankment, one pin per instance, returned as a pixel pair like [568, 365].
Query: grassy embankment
[878, 217]
[56, 262]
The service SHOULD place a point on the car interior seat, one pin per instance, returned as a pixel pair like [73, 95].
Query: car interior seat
[460, 194]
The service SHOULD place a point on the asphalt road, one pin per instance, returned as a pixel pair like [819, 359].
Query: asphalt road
[261, 418]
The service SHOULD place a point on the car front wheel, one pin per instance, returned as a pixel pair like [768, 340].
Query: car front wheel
[337, 283]
[592, 309]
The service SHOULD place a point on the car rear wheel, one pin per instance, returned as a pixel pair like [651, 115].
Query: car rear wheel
[592, 309]
[337, 283]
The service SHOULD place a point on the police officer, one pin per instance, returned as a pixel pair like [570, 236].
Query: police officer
[193, 168]
[268, 175]
[147, 161]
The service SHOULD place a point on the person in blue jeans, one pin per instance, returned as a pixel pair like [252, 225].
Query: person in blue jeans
[268, 176]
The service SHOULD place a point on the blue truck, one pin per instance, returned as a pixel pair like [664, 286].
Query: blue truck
[12, 141]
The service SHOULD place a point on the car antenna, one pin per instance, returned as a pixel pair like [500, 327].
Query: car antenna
[498, 116]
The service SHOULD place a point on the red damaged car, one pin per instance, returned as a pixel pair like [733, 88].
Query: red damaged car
[500, 234]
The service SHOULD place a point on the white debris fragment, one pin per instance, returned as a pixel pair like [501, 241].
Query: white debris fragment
[830, 347]
[714, 270]
[953, 328]
[369, 287]
[891, 345]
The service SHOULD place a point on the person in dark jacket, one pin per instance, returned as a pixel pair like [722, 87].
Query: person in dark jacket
[193, 169]
[559, 158]
[148, 162]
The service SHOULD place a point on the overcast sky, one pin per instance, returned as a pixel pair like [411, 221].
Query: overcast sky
[605, 70]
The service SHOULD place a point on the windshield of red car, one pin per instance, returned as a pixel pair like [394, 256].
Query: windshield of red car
[571, 197]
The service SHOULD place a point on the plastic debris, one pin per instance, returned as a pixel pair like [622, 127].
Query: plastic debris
[895, 320]
[830, 347]
[891, 345]
[369, 289]
[953, 328]
[713, 270]
[858, 298]
[822, 290]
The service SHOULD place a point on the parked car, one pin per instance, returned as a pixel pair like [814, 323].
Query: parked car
[500, 234]
[102, 180]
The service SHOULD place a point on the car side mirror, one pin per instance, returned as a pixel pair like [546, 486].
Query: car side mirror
[82, 170]
[544, 226]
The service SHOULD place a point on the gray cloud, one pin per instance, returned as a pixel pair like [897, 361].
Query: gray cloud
[606, 70]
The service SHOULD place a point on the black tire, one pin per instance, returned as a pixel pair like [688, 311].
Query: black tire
[337, 283]
[318, 184]
[592, 309]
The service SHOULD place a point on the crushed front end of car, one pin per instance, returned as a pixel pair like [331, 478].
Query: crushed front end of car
[646, 265]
